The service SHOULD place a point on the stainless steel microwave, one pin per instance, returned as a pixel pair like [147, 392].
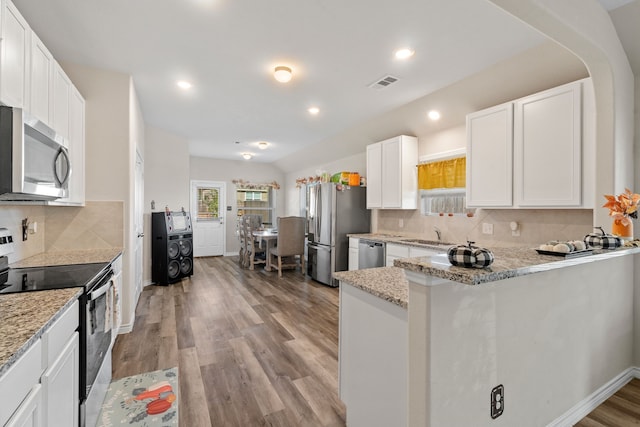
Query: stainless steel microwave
[34, 163]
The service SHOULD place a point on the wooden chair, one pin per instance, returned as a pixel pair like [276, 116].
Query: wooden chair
[290, 244]
[252, 248]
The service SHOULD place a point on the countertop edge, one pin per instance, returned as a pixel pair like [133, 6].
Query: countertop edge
[387, 283]
[38, 334]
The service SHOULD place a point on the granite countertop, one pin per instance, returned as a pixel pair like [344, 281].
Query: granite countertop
[509, 262]
[25, 316]
[86, 256]
[388, 283]
[404, 240]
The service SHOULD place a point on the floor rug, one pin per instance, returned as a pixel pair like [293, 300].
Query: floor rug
[144, 400]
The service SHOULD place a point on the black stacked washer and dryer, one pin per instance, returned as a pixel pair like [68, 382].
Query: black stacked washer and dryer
[171, 247]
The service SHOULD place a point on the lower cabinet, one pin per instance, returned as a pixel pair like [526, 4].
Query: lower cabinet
[403, 251]
[41, 388]
[353, 253]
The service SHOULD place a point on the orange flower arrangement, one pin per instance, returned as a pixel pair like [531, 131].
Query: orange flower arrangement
[623, 207]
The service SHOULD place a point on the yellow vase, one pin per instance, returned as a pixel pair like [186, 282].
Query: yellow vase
[625, 232]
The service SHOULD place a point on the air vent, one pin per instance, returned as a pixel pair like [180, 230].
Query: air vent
[384, 82]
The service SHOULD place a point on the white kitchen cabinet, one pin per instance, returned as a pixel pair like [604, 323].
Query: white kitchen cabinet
[548, 148]
[60, 106]
[392, 180]
[395, 251]
[490, 157]
[415, 252]
[116, 265]
[30, 412]
[18, 382]
[60, 385]
[353, 253]
[373, 359]
[534, 152]
[14, 56]
[40, 78]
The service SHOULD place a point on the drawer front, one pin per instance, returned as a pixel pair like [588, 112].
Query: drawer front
[18, 381]
[398, 251]
[56, 337]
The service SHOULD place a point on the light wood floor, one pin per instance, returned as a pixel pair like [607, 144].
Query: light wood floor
[252, 349]
[620, 410]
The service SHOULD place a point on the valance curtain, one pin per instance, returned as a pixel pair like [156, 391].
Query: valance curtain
[443, 174]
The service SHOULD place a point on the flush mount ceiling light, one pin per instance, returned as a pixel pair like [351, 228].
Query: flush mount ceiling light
[263, 145]
[313, 110]
[404, 53]
[182, 84]
[282, 74]
[246, 156]
[434, 115]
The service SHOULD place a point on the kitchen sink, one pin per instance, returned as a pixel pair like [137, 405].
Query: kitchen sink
[427, 242]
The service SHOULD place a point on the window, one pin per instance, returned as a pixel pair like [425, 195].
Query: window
[257, 201]
[208, 203]
[442, 187]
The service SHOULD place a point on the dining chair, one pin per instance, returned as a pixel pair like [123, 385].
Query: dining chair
[290, 244]
[255, 254]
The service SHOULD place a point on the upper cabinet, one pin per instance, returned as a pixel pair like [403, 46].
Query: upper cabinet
[41, 79]
[14, 57]
[392, 181]
[535, 152]
[61, 95]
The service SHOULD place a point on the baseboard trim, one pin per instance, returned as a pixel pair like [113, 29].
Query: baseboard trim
[588, 404]
[231, 253]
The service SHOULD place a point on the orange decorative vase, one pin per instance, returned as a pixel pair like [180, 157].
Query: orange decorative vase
[625, 232]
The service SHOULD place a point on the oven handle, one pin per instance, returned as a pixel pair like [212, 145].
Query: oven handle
[94, 295]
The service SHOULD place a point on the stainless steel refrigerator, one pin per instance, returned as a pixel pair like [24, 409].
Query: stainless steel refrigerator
[333, 211]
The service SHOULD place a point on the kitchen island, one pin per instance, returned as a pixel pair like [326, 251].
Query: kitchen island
[557, 334]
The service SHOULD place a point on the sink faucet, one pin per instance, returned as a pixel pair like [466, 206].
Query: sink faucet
[438, 233]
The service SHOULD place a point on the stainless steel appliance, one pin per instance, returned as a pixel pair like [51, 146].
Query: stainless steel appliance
[94, 324]
[333, 211]
[370, 254]
[34, 163]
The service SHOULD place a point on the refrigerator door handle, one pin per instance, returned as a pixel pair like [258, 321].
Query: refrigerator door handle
[319, 211]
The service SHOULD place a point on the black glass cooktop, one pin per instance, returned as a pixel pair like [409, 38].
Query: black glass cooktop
[45, 278]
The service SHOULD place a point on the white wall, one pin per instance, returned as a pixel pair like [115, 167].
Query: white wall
[206, 169]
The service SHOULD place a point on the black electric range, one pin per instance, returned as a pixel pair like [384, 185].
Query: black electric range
[52, 277]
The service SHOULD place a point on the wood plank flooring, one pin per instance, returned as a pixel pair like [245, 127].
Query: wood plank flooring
[252, 349]
[620, 410]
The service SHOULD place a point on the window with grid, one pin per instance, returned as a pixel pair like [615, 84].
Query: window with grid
[208, 204]
[257, 201]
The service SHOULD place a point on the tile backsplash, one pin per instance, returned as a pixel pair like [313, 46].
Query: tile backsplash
[536, 226]
[97, 225]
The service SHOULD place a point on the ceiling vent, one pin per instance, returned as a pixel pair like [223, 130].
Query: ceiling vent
[384, 82]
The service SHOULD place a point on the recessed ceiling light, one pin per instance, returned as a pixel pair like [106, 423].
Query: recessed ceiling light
[184, 84]
[404, 53]
[246, 156]
[313, 110]
[282, 74]
[434, 115]
[263, 145]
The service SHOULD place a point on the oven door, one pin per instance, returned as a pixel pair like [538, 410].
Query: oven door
[98, 328]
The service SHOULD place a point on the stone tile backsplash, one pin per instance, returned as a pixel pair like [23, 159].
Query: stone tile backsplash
[536, 225]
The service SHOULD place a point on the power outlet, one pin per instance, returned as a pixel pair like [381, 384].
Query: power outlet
[497, 401]
[487, 228]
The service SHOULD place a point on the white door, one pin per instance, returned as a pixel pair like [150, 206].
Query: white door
[139, 222]
[208, 201]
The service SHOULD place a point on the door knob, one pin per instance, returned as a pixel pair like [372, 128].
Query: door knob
[140, 234]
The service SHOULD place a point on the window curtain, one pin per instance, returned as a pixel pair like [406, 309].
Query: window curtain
[443, 174]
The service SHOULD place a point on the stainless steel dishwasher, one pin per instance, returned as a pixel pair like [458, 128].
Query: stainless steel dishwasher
[370, 254]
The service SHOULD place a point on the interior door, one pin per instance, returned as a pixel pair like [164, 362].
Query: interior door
[207, 216]
[139, 223]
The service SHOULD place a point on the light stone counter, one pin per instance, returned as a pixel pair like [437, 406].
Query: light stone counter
[25, 316]
[388, 283]
[86, 256]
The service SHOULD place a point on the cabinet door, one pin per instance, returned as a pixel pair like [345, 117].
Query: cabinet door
[353, 259]
[547, 148]
[489, 157]
[374, 176]
[391, 174]
[40, 79]
[76, 146]
[60, 383]
[60, 110]
[29, 414]
[418, 252]
[14, 60]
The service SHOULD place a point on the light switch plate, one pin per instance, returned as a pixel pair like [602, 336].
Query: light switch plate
[487, 228]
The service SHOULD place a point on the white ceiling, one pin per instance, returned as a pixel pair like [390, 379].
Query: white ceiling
[228, 49]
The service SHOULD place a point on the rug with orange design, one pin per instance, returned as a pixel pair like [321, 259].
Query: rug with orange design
[144, 400]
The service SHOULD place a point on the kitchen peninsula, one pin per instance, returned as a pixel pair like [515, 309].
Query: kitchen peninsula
[556, 333]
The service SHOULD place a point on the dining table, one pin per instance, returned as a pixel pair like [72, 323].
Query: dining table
[269, 239]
